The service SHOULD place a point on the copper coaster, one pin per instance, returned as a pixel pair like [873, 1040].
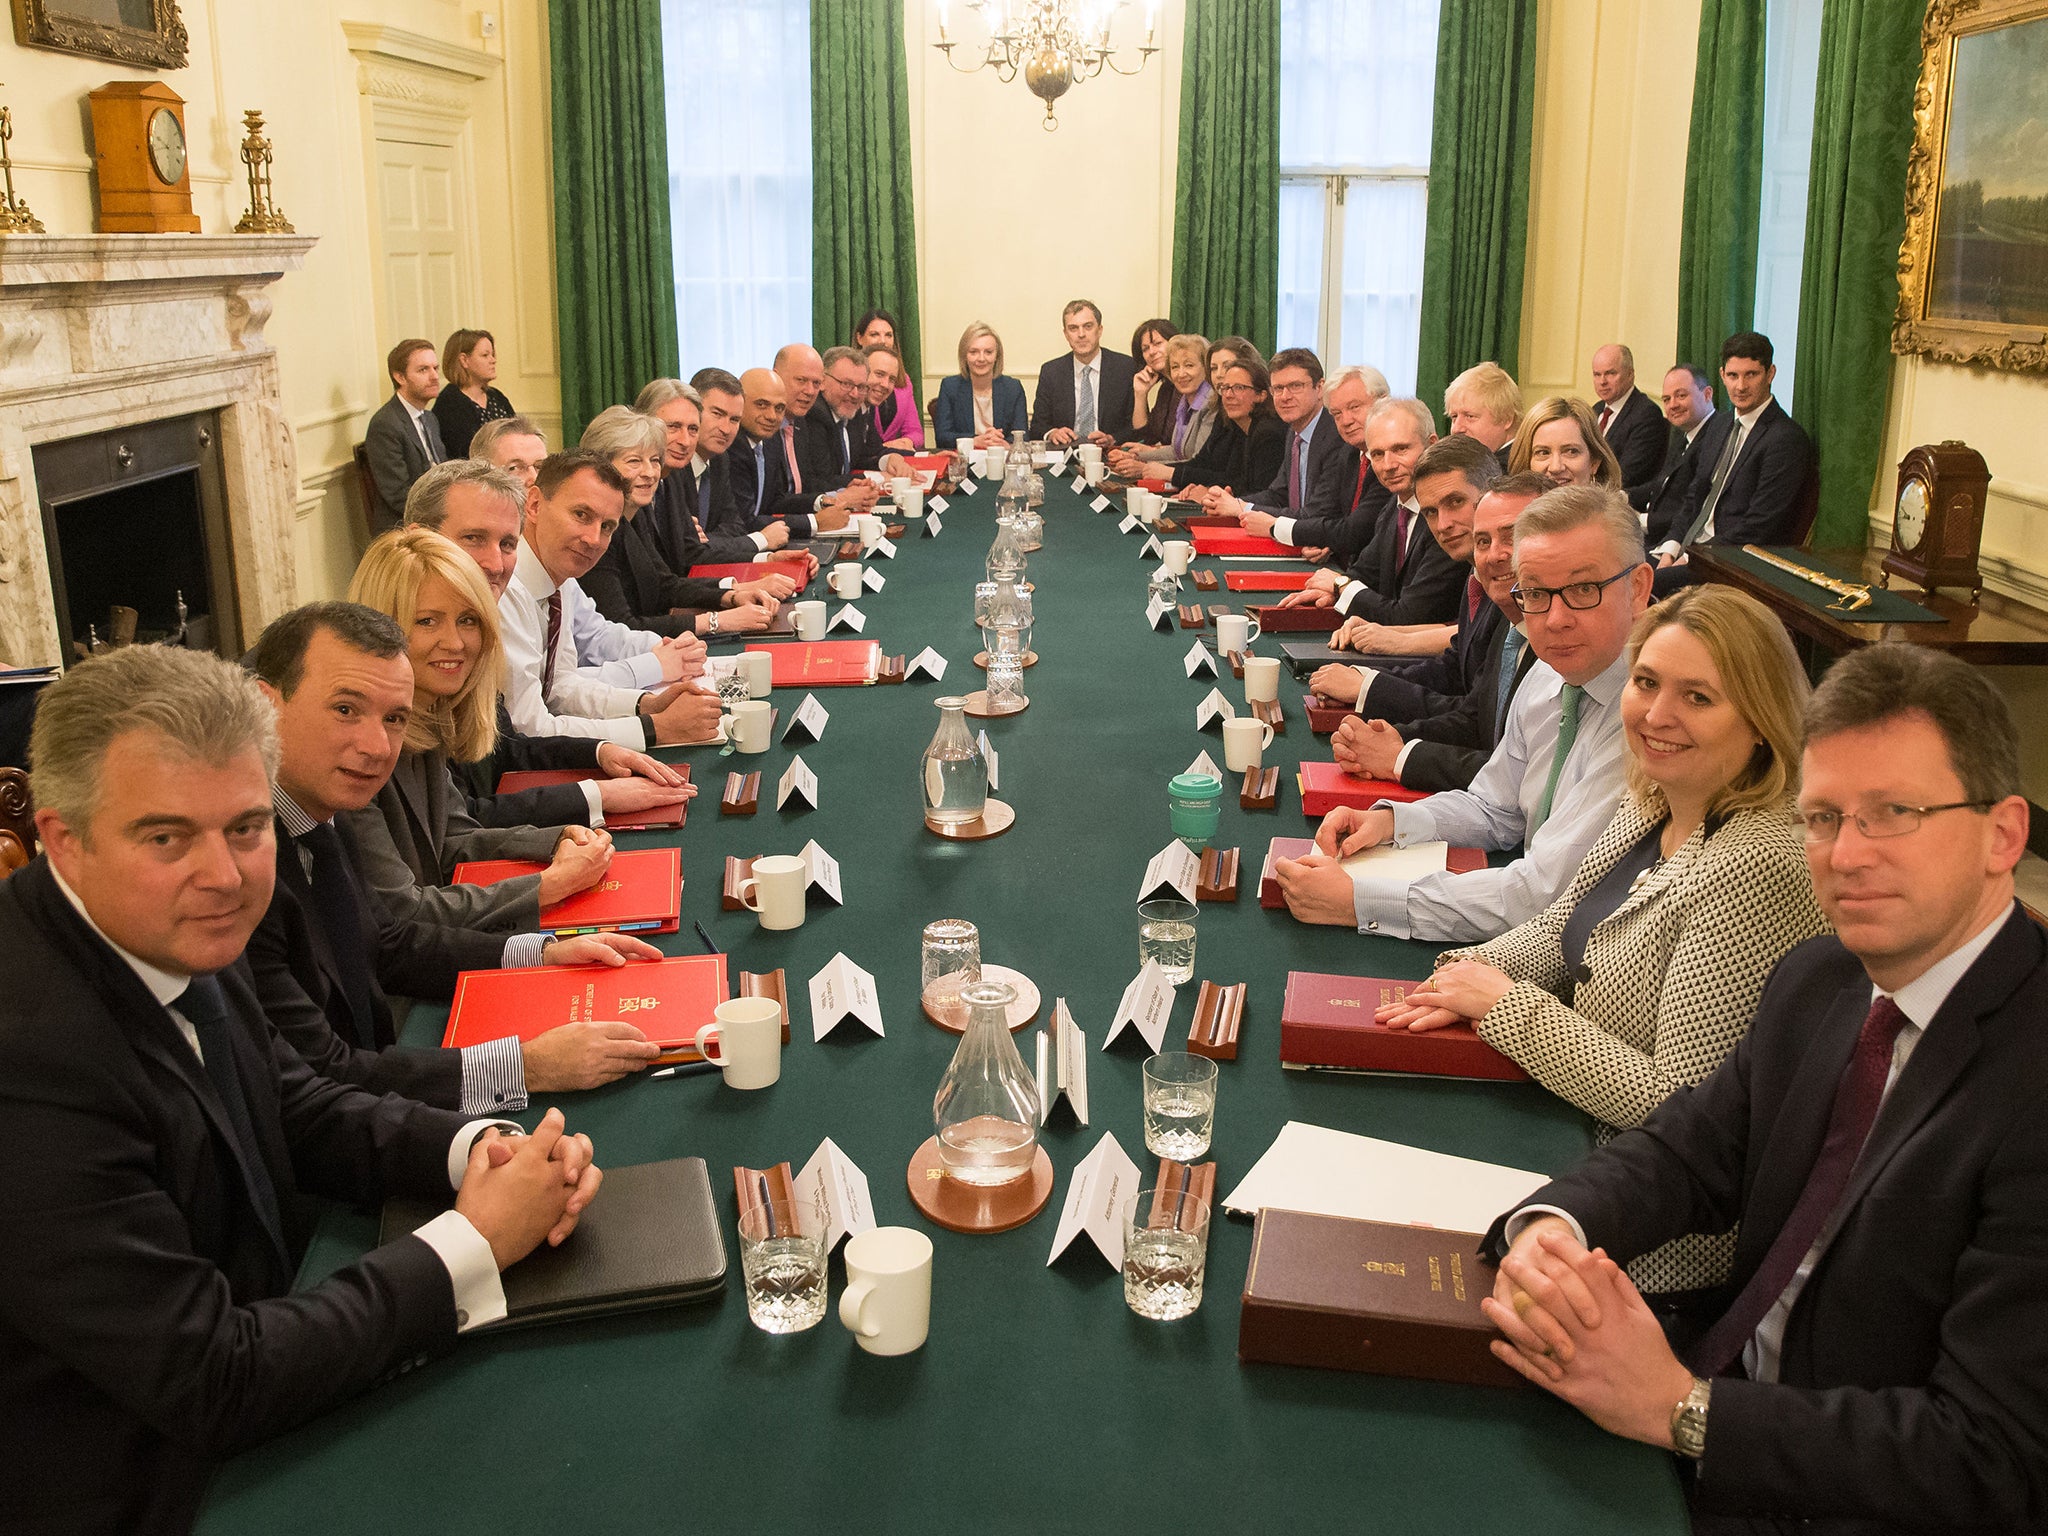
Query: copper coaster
[951, 1015]
[981, 659]
[995, 819]
[962, 1207]
[977, 705]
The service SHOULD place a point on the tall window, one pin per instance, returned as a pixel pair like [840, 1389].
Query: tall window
[738, 91]
[1791, 76]
[1357, 78]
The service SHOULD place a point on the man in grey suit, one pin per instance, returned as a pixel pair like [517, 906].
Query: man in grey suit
[403, 439]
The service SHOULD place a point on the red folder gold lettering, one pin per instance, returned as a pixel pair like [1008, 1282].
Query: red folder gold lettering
[668, 1001]
[641, 892]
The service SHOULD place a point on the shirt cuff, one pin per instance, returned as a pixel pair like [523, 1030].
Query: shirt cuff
[645, 670]
[1345, 593]
[1512, 1228]
[1668, 547]
[523, 950]
[1283, 530]
[472, 1269]
[1380, 905]
[1365, 677]
[1401, 758]
[760, 540]
[593, 800]
[465, 1139]
[725, 583]
[1412, 823]
[493, 1076]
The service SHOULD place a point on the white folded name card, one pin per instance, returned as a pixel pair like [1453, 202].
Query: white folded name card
[797, 783]
[821, 873]
[1213, 710]
[873, 579]
[851, 618]
[1204, 763]
[926, 663]
[1062, 1065]
[1198, 660]
[832, 1196]
[842, 991]
[1146, 1006]
[932, 525]
[1103, 1183]
[1173, 872]
[988, 750]
[1159, 614]
[808, 723]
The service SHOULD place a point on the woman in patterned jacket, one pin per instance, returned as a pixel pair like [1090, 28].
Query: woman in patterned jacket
[1644, 973]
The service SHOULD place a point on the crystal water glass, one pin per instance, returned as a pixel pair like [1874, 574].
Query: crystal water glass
[1006, 682]
[952, 960]
[1166, 1249]
[784, 1269]
[1166, 933]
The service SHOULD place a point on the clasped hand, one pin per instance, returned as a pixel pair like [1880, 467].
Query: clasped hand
[521, 1191]
[1463, 989]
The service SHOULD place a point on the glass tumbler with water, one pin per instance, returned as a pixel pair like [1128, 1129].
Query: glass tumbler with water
[1180, 1105]
[955, 772]
[1166, 1249]
[1166, 933]
[784, 1269]
[952, 962]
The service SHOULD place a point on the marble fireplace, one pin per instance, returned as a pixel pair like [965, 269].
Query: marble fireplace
[143, 442]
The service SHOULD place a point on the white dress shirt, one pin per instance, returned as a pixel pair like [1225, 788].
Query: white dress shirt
[419, 426]
[586, 705]
[1495, 812]
[1744, 425]
[462, 1250]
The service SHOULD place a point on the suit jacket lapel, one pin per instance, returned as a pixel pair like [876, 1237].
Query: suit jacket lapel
[291, 874]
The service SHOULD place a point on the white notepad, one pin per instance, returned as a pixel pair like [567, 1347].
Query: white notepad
[1334, 1173]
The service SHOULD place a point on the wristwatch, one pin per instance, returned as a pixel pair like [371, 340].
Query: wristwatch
[714, 621]
[1689, 1420]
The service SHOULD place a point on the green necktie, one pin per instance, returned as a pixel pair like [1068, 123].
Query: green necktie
[1567, 733]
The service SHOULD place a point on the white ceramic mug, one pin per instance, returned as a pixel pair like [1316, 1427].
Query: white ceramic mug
[1235, 632]
[748, 1032]
[964, 446]
[898, 485]
[758, 668]
[846, 579]
[1261, 679]
[1244, 742]
[992, 460]
[1089, 452]
[887, 1303]
[868, 529]
[911, 502]
[1091, 471]
[1143, 504]
[748, 724]
[1178, 554]
[810, 620]
[774, 890]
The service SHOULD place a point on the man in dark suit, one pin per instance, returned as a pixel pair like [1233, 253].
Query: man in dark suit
[327, 953]
[1688, 406]
[1312, 478]
[1344, 499]
[1756, 474]
[403, 438]
[768, 484]
[148, 1326]
[1628, 418]
[1084, 396]
[1431, 723]
[1875, 1360]
[841, 445]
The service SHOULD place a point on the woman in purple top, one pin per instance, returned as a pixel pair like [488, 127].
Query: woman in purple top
[1192, 415]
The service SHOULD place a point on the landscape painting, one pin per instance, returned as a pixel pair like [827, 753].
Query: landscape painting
[1991, 224]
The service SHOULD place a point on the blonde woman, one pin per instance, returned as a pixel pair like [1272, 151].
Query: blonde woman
[980, 401]
[1188, 420]
[1561, 441]
[1642, 976]
[470, 398]
[410, 838]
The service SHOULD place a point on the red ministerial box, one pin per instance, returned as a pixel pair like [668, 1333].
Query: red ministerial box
[1224, 541]
[1266, 581]
[823, 663]
[653, 816]
[642, 892]
[1304, 620]
[666, 1000]
[1325, 786]
[1327, 1021]
[1457, 861]
[1325, 715]
[795, 570]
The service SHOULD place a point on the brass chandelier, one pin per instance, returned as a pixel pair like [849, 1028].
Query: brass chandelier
[1054, 44]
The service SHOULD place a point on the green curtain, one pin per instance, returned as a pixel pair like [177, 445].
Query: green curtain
[1477, 232]
[1226, 193]
[1855, 218]
[864, 236]
[615, 294]
[1724, 167]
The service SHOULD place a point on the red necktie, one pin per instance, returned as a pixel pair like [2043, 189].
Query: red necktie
[796, 479]
[1293, 471]
[1358, 491]
[1857, 1097]
[1606, 415]
[1473, 593]
[1401, 537]
[547, 665]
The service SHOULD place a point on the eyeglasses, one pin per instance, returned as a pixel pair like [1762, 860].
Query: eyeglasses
[1823, 827]
[1579, 595]
[1292, 389]
[1237, 389]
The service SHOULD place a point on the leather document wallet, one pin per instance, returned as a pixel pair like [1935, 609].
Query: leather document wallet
[1327, 1021]
[1348, 1295]
[642, 892]
[651, 1238]
[1310, 620]
[1304, 656]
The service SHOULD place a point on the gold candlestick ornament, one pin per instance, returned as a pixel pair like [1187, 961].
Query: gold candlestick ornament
[264, 216]
[15, 217]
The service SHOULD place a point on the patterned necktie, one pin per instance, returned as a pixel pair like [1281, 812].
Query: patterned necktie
[1567, 733]
[796, 477]
[1606, 415]
[547, 664]
[1084, 413]
[1400, 537]
[205, 1008]
[333, 886]
[1474, 594]
[1722, 466]
[1293, 471]
[1358, 490]
[1504, 688]
[845, 449]
[1858, 1094]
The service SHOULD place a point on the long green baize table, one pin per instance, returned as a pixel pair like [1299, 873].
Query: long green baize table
[1040, 1401]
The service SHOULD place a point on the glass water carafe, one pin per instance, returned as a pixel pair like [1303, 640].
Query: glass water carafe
[1006, 556]
[955, 772]
[987, 1104]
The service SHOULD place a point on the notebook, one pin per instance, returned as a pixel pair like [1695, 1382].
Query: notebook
[824, 663]
[652, 816]
[668, 1000]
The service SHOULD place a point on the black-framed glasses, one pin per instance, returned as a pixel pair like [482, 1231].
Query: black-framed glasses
[1579, 595]
[1823, 827]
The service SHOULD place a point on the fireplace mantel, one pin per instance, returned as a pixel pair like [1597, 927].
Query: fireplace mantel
[98, 332]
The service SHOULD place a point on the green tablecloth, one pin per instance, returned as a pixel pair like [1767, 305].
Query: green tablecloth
[1040, 1400]
[1885, 607]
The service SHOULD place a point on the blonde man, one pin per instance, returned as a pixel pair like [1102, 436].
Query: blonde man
[1484, 402]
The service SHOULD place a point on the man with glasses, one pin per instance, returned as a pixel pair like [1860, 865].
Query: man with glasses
[1875, 1359]
[841, 418]
[1315, 453]
[1344, 504]
[1552, 784]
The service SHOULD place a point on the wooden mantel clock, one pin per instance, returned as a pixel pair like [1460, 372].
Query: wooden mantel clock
[138, 146]
[1938, 518]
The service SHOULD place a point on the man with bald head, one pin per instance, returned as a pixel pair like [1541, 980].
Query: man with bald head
[1634, 426]
[809, 451]
[767, 477]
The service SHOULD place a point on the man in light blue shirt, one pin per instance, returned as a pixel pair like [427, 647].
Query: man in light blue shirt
[1552, 784]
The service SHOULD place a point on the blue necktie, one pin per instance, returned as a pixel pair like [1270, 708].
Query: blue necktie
[205, 1008]
[1510, 657]
[760, 479]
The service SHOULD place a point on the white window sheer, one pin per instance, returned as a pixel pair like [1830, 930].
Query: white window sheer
[738, 93]
[1357, 82]
[1791, 77]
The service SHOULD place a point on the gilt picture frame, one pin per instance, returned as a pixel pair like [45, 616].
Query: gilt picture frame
[1973, 266]
[146, 32]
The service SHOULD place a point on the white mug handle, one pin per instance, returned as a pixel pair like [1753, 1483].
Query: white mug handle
[706, 1034]
[751, 886]
[853, 1306]
[1268, 741]
[1251, 629]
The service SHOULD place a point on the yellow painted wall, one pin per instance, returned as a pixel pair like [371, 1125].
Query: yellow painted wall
[292, 61]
